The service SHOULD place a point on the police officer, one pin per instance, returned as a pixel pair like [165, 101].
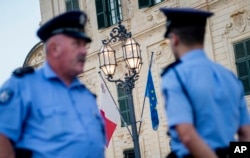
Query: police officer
[48, 112]
[204, 102]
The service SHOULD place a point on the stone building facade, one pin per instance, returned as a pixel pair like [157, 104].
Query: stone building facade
[227, 42]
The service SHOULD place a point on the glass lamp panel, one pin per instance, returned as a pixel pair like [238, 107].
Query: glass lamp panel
[133, 63]
[108, 69]
[107, 60]
[138, 68]
[104, 70]
[131, 53]
[130, 48]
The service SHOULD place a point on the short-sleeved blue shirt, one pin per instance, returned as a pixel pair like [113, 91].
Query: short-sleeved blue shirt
[40, 113]
[218, 109]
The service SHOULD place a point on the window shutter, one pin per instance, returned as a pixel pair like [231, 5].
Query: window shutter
[144, 3]
[248, 47]
[72, 5]
[239, 50]
[158, 1]
[129, 153]
[115, 11]
[68, 5]
[242, 69]
[246, 84]
[123, 105]
[119, 10]
[124, 110]
[75, 5]
[242, 58]
[100, 13]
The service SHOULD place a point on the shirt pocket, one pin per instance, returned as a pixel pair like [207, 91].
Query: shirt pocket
[50, 111]
[55, 122]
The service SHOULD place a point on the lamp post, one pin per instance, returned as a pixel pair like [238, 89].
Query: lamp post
[133, 60]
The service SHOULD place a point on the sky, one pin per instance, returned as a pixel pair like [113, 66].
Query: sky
[19, 21]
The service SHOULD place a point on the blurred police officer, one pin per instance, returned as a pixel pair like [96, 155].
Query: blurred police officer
[205, 102]
[47, 112]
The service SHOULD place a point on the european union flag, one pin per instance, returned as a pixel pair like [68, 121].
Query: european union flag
[150, 93]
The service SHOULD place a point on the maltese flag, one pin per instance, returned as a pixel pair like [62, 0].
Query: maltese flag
[109, 111]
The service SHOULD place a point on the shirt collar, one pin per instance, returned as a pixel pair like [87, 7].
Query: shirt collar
[50, 74]
[193, 54]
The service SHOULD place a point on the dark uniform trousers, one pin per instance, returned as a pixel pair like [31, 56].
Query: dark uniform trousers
[220, 152]
[23, 153]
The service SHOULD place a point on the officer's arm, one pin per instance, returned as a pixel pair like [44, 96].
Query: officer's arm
[244, 133]
[6, 148]
[244, 129]
[193, 142]
[12, 115]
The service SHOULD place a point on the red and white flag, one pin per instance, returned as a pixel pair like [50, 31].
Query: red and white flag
[109, 111]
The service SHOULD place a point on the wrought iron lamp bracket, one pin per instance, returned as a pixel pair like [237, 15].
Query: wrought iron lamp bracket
[118, 34]
[129, 81]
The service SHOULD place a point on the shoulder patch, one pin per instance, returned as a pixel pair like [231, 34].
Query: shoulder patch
[165, 70]
[19, 72]
[5, 96]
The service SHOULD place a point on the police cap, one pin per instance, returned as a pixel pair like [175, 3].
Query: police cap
[70, 23]
[184, 17]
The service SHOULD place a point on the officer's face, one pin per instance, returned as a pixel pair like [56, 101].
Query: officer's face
[72, 55]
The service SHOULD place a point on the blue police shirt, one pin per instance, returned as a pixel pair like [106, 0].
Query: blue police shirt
[218, 109]
[39, 112]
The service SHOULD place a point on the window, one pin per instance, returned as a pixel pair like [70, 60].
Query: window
[242, 58]
[129, 153]
[72, 5]
[123, 105]
[108, 12]
[148, 3]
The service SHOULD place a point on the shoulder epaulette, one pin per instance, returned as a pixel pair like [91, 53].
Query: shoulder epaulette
[21, 71]
[165, 70]
[93, 94]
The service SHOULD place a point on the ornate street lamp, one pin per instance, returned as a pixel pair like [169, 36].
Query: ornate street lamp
[133, 60]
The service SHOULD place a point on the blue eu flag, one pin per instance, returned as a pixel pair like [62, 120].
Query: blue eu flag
[150, 93]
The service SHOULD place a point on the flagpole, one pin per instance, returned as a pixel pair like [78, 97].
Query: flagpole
[115, 104]
[143, 105]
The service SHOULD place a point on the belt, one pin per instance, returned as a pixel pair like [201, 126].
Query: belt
[23, 153]
[220, 152]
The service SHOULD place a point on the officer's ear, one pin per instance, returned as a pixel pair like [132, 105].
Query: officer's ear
[175, 40]
[52, 47]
